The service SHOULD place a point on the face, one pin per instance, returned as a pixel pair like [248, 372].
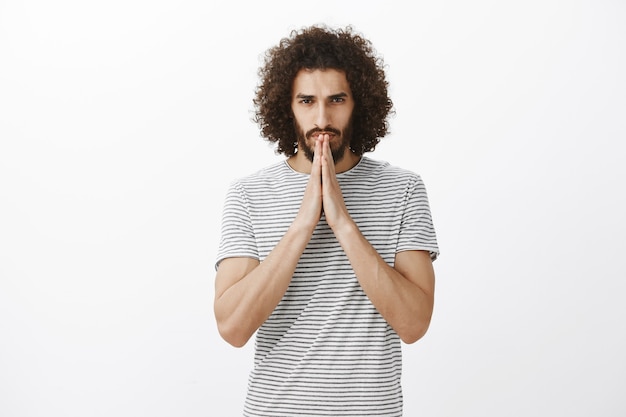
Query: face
[322, 103]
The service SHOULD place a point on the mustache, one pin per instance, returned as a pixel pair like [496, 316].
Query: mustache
[310, 133]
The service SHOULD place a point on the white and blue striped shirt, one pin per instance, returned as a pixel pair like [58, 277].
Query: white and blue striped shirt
[325, 350]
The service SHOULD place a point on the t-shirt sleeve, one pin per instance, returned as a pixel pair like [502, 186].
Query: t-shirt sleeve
[417, 231]
[237, 234]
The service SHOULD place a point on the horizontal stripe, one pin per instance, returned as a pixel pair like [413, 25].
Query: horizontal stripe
[325, 350]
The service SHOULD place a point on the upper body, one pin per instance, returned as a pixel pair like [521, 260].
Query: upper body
[325, 335]
[328, 251]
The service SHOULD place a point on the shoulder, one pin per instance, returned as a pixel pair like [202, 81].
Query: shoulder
[270, 171]
[266, 175]
[273, 182]
[385, 170]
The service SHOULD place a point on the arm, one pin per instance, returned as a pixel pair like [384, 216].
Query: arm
[246, 291]
[403, 294]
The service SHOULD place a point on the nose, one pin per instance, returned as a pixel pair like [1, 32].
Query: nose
[323, 116]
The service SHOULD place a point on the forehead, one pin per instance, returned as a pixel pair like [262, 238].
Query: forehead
[319, 82]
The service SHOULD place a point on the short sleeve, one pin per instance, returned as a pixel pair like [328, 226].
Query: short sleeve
[237, 237]
[417, 231]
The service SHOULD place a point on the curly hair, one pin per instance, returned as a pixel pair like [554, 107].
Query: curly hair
[318, 47]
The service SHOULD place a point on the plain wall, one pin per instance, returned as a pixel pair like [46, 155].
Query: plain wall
[123, 122]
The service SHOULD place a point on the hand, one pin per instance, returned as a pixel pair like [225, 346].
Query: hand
[332, 197]
[311, 207]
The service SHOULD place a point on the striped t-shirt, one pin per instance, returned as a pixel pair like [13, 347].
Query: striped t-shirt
[325, 350]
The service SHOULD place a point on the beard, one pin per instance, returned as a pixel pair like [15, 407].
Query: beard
[337, 151]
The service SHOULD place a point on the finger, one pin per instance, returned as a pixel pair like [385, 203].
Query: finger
[323, 142]
[317, 158]
[324, 149]
[328, 161]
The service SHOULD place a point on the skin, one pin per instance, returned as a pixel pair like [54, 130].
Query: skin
[247, 291]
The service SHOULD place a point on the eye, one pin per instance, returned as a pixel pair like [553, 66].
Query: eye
[338, 99]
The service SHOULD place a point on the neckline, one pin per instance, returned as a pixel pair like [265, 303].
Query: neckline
[339, 175]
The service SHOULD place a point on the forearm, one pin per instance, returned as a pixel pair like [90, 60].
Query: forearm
[246, 302]
[404, 304]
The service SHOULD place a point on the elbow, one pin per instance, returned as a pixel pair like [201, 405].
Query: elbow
[414, 333]
[232, 335]
[236, 342]
[410, 338]
[234, 328]
[232, 331]
[228, 328]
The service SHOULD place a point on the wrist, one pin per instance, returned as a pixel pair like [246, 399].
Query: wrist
[344, 227]
[302, 227]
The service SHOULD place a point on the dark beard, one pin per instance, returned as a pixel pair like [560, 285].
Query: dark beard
[337, 154]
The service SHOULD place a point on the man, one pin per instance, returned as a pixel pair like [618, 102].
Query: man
[328, 254]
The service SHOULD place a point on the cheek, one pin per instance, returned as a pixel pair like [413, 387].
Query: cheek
[299, 118]
[345, 122]
[346, 115]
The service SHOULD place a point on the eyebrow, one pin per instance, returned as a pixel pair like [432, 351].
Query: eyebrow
[332, 96]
